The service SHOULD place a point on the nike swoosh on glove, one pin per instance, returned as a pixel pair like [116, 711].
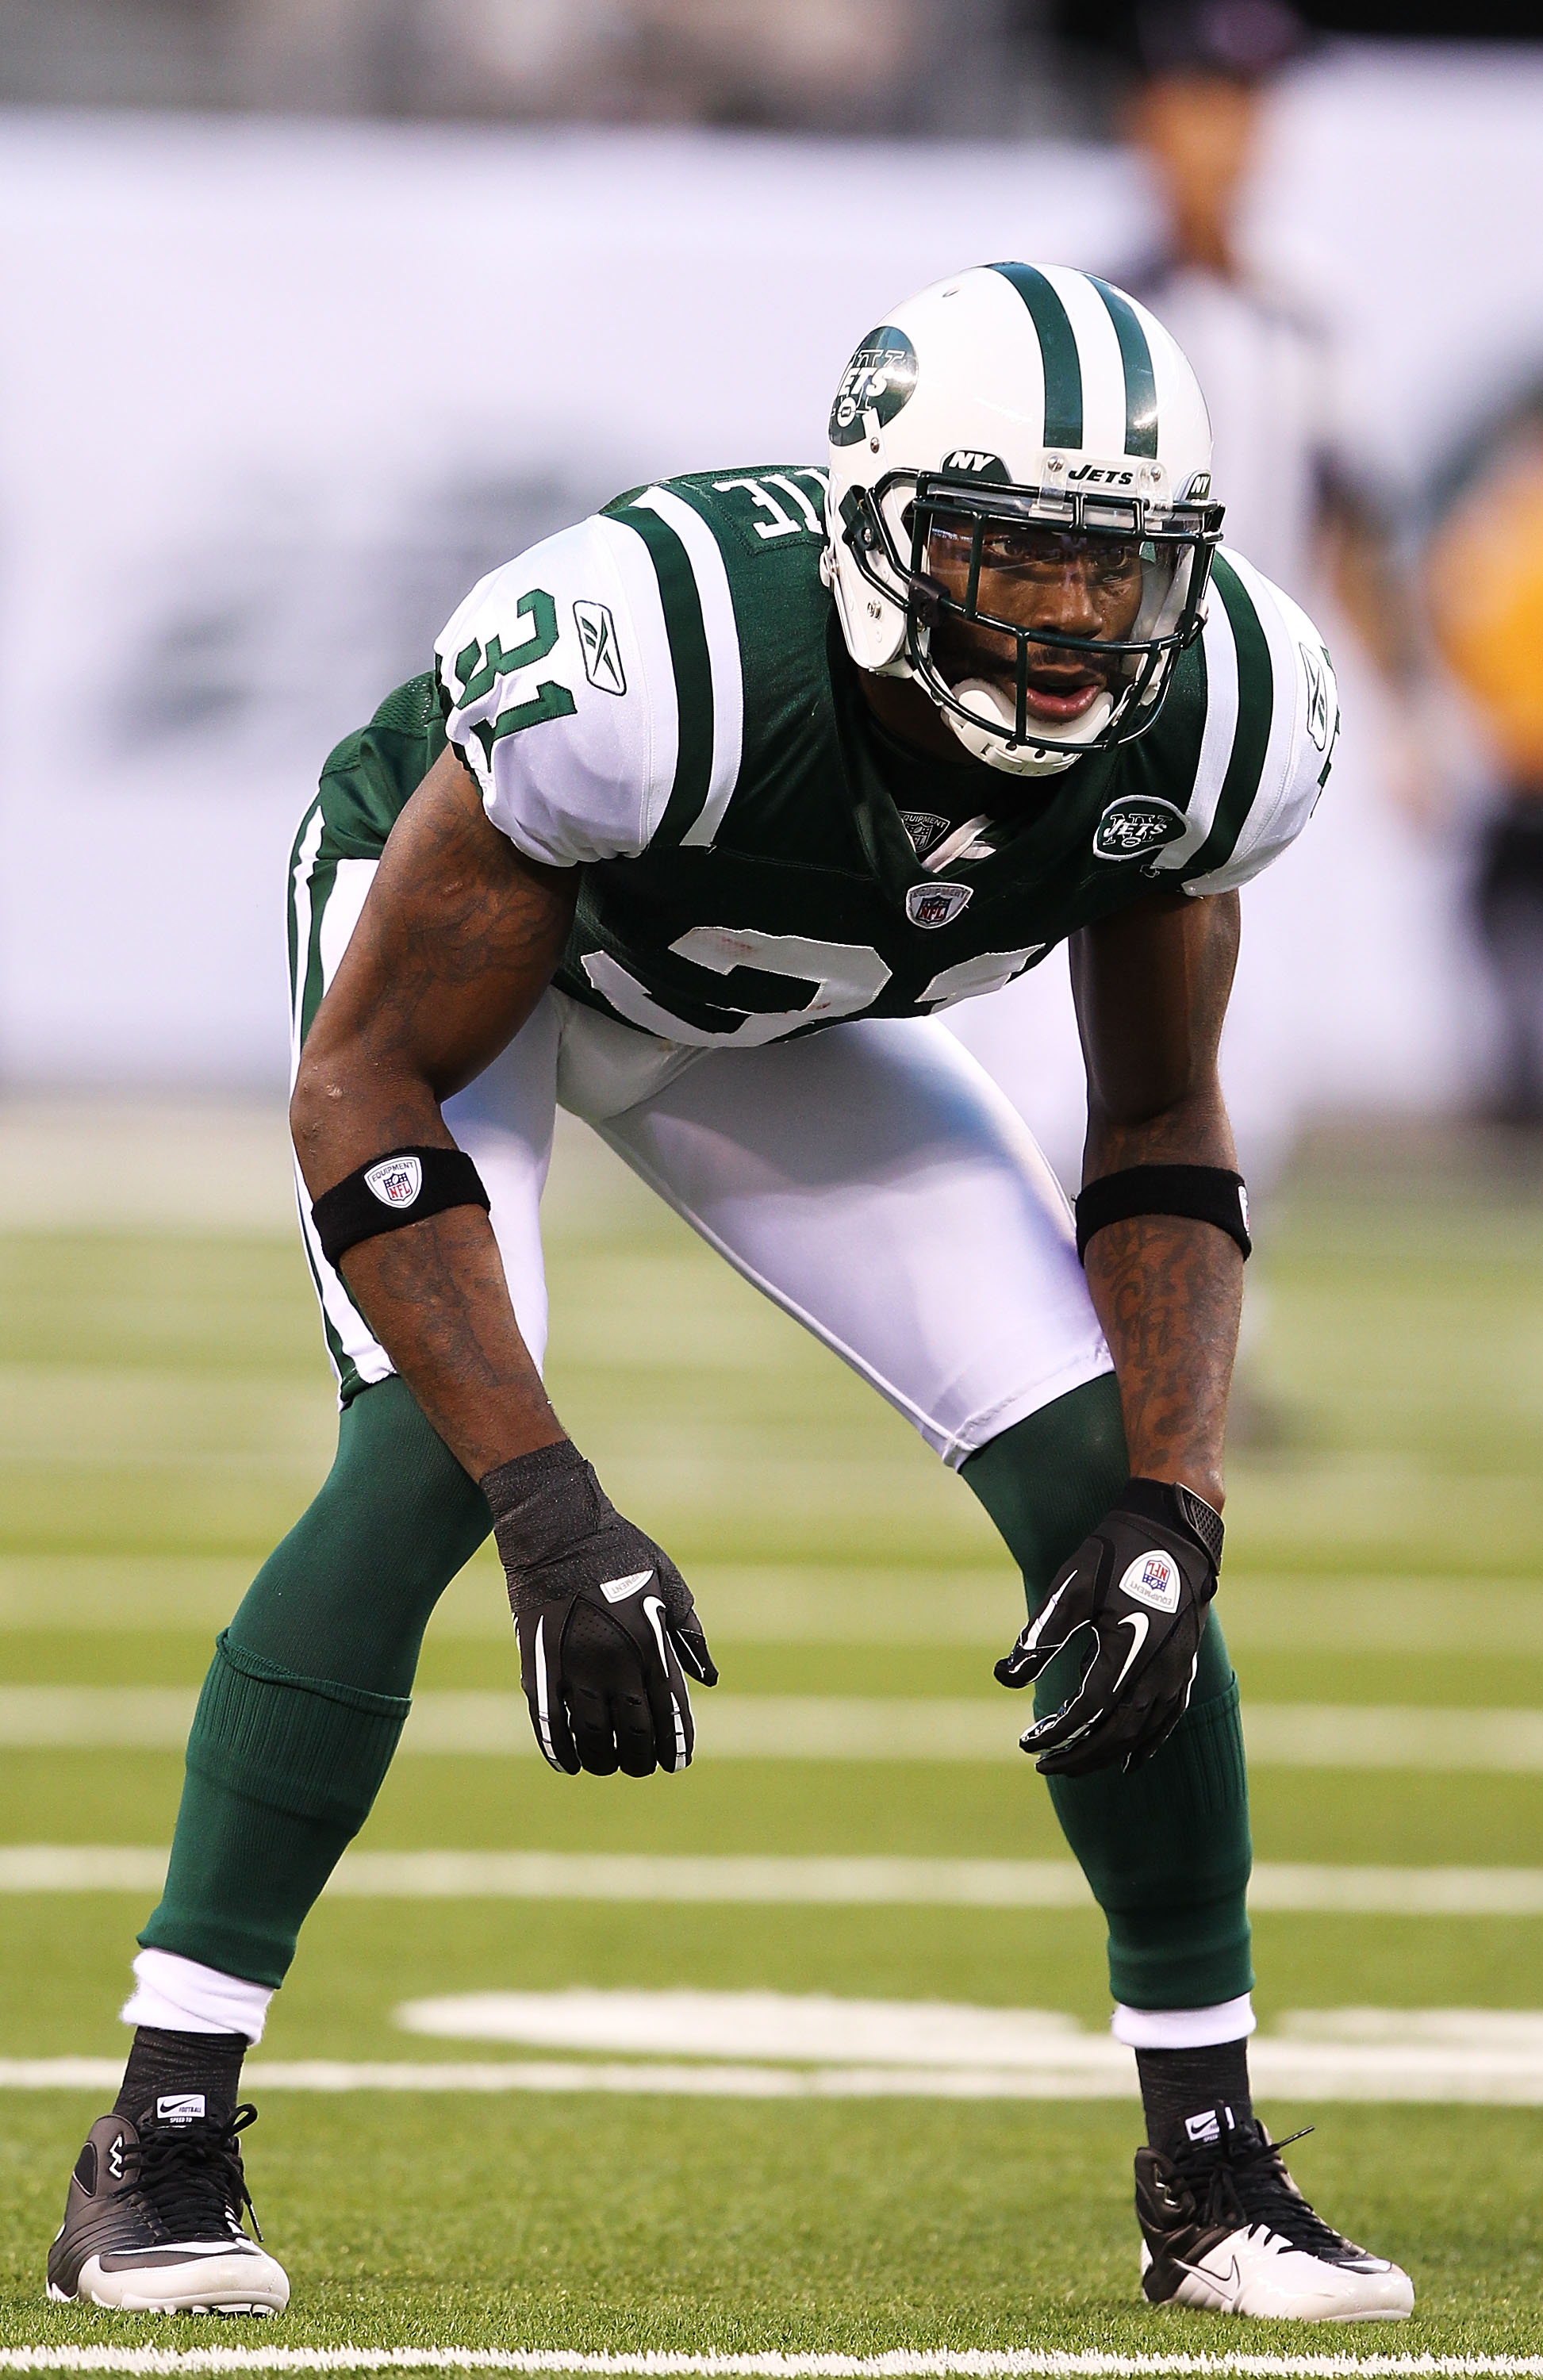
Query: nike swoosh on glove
[604, 1620]
[1138, 1586]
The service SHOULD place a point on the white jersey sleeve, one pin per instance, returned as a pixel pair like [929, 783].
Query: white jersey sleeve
[1272, 720]
[556, 673]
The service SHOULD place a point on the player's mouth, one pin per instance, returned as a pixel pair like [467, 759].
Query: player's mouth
[1062, 694]
[1053, 699]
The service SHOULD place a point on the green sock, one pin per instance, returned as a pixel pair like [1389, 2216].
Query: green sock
[305, 1701]
[1166, 1850]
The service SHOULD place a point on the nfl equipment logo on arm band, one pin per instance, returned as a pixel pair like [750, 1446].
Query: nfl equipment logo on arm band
[402, 1187]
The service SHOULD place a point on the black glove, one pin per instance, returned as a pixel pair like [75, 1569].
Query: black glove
[604, 1620]
[1140, 1584]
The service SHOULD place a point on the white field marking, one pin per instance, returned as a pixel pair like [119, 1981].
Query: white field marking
[902, 2363]
[1108, 2077]
[771, 1878]
[824, 1727]
[1009, 2053]
[805, 2027]
[819, 2049]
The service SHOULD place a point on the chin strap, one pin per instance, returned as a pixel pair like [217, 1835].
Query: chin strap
[986, 702]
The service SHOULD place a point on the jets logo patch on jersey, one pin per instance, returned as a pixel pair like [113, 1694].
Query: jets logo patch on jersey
[936, 904]
[597, 641]
[1153, 1579]
[396, 1181]
[1136, 824]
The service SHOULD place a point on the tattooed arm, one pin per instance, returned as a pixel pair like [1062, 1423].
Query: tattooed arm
[457, 941]
[1151, 985]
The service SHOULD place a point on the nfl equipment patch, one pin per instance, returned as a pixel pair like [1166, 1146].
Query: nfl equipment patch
[1153, 1579]
[937, 904]
[396, 1181]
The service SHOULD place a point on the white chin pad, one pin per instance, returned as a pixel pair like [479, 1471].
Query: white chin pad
[990, 704]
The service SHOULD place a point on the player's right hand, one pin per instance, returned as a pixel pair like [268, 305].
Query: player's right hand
[605, 1621]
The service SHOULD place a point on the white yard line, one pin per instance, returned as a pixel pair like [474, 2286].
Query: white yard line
[991, 1884]
[822, 1726]
[853, 1882]
[937, 2363]
[1090, 2067]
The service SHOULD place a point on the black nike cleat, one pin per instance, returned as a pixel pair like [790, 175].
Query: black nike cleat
[152, 2223]
[1225, 2228]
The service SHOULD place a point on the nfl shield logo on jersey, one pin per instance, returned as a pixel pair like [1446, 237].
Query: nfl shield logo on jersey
[396, 1181]
[936, 904]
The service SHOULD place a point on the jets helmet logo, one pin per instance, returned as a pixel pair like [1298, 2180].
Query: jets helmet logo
[978, 463]
[936, 904]
[597, 641]
[396, 1181]
[1136, 824]
[878, 379]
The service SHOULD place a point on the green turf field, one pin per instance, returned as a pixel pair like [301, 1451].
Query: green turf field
[165, 1413]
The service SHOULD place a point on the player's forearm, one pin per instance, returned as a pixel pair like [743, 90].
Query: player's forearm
[435, 1293]
[436, 1299]
[1168, 1291]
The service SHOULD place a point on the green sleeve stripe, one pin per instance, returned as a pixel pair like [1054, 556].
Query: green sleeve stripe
[693, 672]
[1058, 346]
[1255, 710]
[1141, 410]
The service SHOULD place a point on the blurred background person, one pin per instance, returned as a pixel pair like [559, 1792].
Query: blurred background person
[1483, 575]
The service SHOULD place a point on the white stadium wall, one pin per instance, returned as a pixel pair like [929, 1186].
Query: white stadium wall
[272, 395]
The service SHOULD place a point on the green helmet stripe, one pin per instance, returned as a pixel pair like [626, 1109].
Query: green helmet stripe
[1255, 710]
[1141, 412]
[693, 672]
[1058, 347]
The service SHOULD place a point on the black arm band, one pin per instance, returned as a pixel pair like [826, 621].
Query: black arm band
[1207, 1193]
[394, 1190]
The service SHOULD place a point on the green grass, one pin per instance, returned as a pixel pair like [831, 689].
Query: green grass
[688, 2225]
[163, 1417]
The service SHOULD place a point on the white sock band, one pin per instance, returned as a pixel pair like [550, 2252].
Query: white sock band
[1198, 2028]
[179, 1995]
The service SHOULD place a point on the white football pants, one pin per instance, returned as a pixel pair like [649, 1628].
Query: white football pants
[871, 1179]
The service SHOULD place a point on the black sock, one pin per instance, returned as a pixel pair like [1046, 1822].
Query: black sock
[1193, 2097]
[185, 2067]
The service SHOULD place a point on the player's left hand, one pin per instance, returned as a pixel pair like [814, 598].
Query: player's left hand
[1138, 1586]
[605, 1621]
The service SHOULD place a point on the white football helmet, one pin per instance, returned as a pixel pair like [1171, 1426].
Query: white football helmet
[1027, 398]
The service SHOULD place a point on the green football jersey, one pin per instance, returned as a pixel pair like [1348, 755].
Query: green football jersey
[661, 695]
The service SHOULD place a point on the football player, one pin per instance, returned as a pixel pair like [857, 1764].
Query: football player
[711, 804]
